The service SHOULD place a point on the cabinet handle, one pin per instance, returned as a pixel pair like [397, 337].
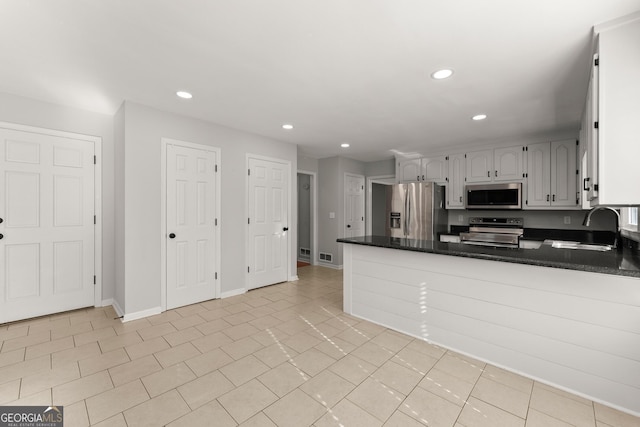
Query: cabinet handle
[547, 197]
[496, 174]
[584, 184]
[418, 178]
[423, 177]
[460, 199]
[488, 174]
[553, 198]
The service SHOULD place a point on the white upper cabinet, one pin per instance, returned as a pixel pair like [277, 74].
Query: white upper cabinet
[499, 165]
[552, 174]
[479, 166]
[434, 169]
[424, 169]
[455, 187]
[508, 164]
[538, 175]
[408, 170]
[615, 95]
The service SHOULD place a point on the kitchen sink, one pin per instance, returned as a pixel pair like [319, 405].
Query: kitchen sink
[562, 244]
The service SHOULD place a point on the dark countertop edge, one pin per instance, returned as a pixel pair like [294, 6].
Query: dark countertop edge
[460, 252]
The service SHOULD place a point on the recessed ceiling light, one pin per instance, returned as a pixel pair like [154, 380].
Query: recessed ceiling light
[184, 95]
[442, 74]
[344, 145]
[479, 117]
[287, 126]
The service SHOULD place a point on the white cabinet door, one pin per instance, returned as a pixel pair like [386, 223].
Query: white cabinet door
[479, 165]
[408, 170]
[434, 169]
[455, 186]
[552, 178]
[539, 174]
[268, 222]
[591, 134]
[617, 87]
[508, 164]
[47, 210]
[191, 231]
[564, 173]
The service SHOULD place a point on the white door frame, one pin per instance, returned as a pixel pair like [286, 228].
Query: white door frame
[293, 224]
[314, 215]
[379, 179]
[163, 213]
[97, 197]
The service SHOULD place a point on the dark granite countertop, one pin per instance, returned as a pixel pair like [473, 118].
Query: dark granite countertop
[623, 263]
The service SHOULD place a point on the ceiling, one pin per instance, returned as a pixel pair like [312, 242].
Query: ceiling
[355, 71]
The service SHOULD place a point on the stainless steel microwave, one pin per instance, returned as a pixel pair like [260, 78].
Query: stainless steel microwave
[494, 196]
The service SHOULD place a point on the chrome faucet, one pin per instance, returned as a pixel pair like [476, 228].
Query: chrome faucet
[587, 221]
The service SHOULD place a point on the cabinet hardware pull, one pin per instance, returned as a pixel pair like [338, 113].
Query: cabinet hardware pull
[547, 197]
[584, 185]
[496, 174]
[488, 174]
[553, 198]
[418, 178]
[423, 177]
[460, 199]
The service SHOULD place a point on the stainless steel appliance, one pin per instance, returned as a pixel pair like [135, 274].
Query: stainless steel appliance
[494, 196]
[501, 232]
[416, 210]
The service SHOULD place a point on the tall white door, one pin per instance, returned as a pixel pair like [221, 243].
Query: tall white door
[268, 222]
[47, 210]
[191, 230]
[353, 205]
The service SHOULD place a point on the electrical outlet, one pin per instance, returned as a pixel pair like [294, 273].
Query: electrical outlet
[567, 220]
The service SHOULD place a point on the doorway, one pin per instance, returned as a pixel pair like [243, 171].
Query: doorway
[353, 205]
[306, 247]
[376, 203]
[49, 224]
[191, 207]
[268, 221]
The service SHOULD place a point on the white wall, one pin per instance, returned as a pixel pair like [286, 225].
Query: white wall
[25, 111]
[144, 128]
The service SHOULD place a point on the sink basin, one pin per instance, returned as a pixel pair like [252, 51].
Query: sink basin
[561, 244]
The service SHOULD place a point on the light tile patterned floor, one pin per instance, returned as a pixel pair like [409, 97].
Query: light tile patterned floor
[284, 355]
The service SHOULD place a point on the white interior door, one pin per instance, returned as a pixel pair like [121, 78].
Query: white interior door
[268, 222]
[353, 205]
[47, 210]
[191, 230]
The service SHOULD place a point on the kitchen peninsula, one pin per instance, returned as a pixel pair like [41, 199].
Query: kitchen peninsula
[565, 317]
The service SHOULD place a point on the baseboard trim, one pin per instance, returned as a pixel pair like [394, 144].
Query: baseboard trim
[233, 293]
[324, 264]
[119, 311]
[141, 314]
[106, 302]
[294, 278]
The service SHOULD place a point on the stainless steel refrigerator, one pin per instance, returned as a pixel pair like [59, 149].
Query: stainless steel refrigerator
[415, 210]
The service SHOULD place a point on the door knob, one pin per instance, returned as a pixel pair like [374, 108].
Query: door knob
[172, 235]
[348, 225]
[1, 236]
[1, 220]
[285, 228]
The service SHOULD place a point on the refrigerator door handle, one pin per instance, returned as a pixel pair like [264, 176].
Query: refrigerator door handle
[408, 217]
[406, 200]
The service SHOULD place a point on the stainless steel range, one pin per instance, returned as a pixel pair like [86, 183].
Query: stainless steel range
[501, 232]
